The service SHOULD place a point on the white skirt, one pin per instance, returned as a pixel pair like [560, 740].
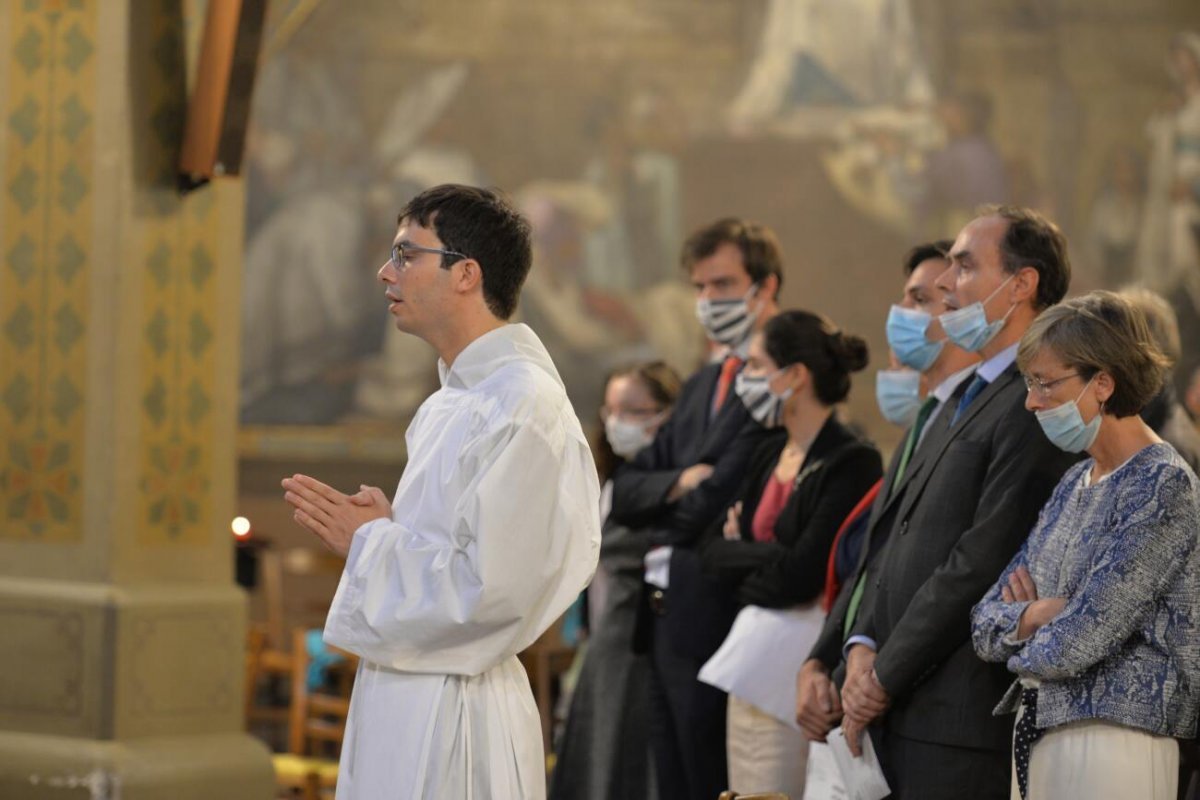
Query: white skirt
[1101, 761]
[764, 754]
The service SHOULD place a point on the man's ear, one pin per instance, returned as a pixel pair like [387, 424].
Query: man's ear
[468, 276]
[1025, 285]
[770, 287]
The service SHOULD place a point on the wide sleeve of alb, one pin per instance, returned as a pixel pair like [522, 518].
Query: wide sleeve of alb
[523, 541]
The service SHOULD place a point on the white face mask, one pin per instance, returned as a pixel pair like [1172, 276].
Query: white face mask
[627, 439]
[728, 322]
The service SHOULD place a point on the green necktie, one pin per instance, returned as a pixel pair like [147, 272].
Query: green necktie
[914, 435]
[910, 444]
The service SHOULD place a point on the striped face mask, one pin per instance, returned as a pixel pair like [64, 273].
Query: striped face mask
[728, 322]
[763, 404]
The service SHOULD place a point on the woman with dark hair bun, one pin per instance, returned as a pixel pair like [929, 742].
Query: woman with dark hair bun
[771, 548]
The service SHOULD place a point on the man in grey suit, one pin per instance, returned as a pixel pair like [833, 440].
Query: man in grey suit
[944, 367]
[969, 497]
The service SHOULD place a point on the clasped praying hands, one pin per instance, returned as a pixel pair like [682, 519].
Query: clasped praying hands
[330, 514]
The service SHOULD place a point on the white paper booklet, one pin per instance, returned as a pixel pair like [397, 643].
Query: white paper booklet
[760, 657]
[823, 779]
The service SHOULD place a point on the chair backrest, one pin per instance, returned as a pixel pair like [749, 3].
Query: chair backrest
[318, 718]
[276, 568]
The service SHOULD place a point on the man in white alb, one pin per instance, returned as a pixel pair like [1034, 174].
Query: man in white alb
[493, 532]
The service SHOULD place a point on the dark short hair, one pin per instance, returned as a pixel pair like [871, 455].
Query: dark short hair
[1101, 332]
[1031, 240]
[482, 225]
[923, 252]
[804, 337]
[758, 244]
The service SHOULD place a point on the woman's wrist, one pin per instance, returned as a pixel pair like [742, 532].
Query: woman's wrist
[1030, 620]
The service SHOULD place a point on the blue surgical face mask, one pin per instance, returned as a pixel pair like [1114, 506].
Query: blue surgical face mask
[1065, 428]
[763, 404]
[728, 322]
[898, 392]
[906, 336]
[968, 327]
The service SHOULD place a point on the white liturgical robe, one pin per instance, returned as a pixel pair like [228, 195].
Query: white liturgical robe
[494, 532]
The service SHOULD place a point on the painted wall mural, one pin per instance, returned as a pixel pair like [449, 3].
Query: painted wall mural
[43, 311]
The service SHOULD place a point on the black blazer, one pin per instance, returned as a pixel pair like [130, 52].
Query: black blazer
[692, 435]
[970, 497]
[698, 614]
[837, 471]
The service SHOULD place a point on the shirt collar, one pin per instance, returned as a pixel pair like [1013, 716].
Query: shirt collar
[484, 355]
[946, 388]
[742, 351]
[991, 369]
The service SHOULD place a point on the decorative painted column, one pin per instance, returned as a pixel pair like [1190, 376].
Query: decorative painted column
[121, 630]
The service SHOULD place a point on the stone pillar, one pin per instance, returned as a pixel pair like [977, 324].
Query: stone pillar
[121, 630]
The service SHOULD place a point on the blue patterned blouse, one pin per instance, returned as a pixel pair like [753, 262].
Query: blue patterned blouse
[1123, 551]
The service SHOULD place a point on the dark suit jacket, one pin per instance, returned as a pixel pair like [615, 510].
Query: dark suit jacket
[837, 471]
[690, 436]
[828, 648]
[697, 612]
[970, 496]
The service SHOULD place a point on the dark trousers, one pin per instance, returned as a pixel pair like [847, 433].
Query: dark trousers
[1189, 769]
[687, 725]
[925, 771]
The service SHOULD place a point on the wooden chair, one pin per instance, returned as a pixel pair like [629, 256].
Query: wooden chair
[732, 795]
[316, 727]
[295, 566]
[545, 660]
[264, 661]
[267, 646]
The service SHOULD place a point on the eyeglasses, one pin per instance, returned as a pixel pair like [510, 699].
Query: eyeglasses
[1043, 387]
[404, 252]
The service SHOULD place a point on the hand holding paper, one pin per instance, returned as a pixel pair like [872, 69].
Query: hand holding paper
[863, 695]
[862, 776]
[818, 703]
